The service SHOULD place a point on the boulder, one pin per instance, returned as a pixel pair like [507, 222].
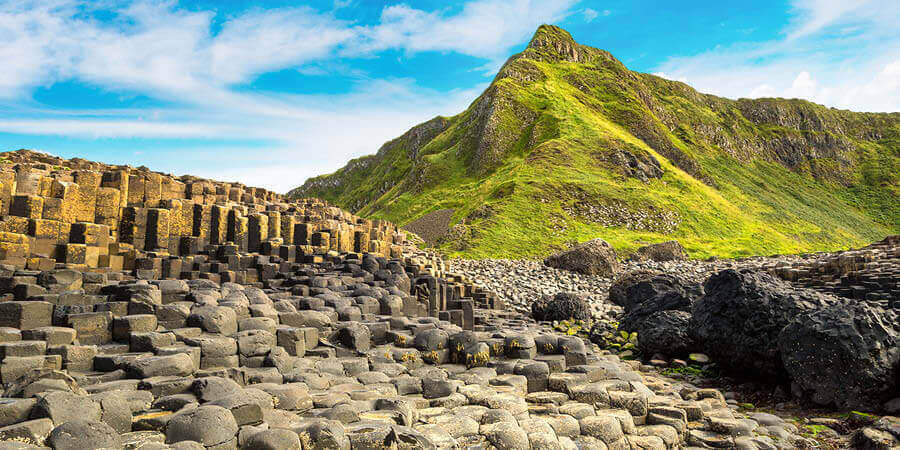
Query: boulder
[64, 406]
[657, 307]
[353, 336]
[179, 365]
[322, 435]
[208, 425]
[214, 319]
[81, 434]
[845, 355]
[666, 332]
[61, 280]
[562, 306]
[659, 291]
[433, 339]
[661, 252]
[594, 257]
[274, 439]
[738, 320]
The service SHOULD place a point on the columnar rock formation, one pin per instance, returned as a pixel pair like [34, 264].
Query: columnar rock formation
[98, 216]
[870, 273]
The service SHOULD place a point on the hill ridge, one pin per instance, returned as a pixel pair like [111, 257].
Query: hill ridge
[633, 158]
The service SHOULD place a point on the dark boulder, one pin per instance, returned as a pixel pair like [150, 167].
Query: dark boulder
[594, 257]
[740, 317]
[665, 332]
[562, 306]
[658, 307]
[846, 355]
[660, 290]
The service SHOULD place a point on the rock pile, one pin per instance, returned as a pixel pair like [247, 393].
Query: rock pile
[519, 283]
[334, 361]
[661, 252]
[871, 273]
[226, 331]
[834, 351]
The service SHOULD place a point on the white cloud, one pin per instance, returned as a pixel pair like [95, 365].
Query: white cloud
[484, 28]
[302, 135]
[838, 53]
[803, 86]
[158, 49]
[670, 77]
[590, 14]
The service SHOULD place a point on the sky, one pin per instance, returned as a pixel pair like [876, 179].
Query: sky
[269, 93]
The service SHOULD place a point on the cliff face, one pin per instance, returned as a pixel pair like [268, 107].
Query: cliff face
[568, 144]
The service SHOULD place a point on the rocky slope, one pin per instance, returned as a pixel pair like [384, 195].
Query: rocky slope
[568, 144]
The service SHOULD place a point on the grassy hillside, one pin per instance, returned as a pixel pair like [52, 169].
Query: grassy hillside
[567, 144]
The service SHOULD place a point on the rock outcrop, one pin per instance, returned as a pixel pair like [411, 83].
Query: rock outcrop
[562, 306]
[845, 355]
[740, 317]
[300, 342]
[594, 257]
[661, 252]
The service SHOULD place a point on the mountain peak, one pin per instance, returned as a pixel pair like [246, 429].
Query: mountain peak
[556, 43]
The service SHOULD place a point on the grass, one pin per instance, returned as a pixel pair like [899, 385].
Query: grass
[535, 149]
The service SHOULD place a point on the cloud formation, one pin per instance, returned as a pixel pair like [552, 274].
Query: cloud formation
[837, 53]
[196, 66]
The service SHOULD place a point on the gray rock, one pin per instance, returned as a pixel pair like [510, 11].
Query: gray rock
[255, 342]
[214, 319]
[62, 406]
[209, 389]
[433, 339]
[82, 434]
[275, 439]
[323, 435]
[208, 425]
[353, 336]
[506, 436]
[179, 365]
[594, 257]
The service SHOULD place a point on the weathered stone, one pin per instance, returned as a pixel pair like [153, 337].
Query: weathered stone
[81, 434]
[595, 257]
[208, 425]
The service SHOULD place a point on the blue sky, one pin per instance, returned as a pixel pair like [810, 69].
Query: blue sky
[269, 93]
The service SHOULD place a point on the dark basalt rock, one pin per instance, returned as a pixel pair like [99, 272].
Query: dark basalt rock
[658, 307]
[637, 287]
[846, 355]
[665, 332]
[562, 306]
[740, 317]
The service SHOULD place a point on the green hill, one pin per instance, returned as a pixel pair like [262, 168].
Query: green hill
[567, 144]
